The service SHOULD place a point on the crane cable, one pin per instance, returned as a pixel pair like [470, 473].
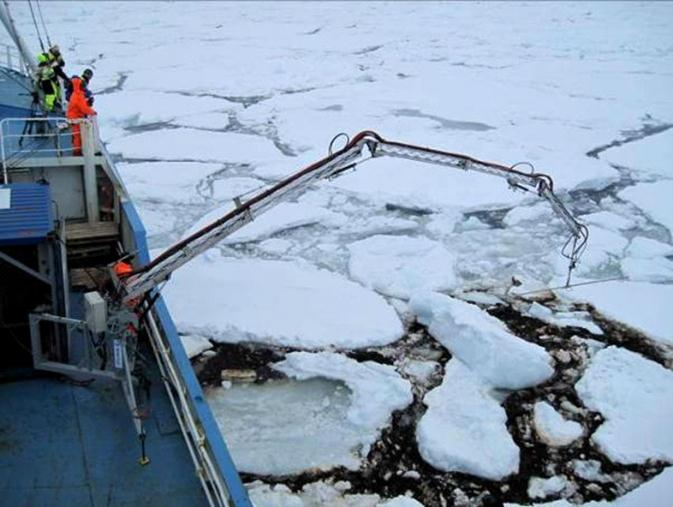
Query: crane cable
[37, 28]
[44, 25]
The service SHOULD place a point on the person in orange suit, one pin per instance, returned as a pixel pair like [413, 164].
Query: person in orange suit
[78, 107]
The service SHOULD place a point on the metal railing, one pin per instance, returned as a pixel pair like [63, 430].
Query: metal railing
[213, 483]
[48, 136]
[12, 58]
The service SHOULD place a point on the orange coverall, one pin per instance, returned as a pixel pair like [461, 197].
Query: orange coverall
[78, 108]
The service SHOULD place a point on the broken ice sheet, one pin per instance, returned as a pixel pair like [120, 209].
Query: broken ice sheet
[330, 413]
[633, 394]
[464, 428]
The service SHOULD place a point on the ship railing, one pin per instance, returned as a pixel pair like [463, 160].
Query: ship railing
[12, 58]
[39, 137]
[208, 471]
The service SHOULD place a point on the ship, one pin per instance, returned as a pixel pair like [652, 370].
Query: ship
[100, 404]
[82, 422]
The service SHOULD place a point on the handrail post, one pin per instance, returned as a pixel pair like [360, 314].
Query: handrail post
[5, 179]
[90, 179]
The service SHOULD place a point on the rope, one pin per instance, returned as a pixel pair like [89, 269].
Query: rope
[44, 26]
[37, 28]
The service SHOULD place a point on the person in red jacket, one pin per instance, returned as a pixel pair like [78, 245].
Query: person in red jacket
[78, 107]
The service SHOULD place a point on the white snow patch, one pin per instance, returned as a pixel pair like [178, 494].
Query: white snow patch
[552, 428]
[399, 266]
[634, 396]
[464, 428]
[281, 303]
[644, 306]
[482, 342]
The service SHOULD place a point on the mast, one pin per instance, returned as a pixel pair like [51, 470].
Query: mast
[6, 18]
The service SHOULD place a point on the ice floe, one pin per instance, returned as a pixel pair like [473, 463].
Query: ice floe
[464, 428]
[643, 306]
[654, 199]
[482, 342]
[634, 396]
[326, 424]
[376, 389]
[652, 156]
[574, 319]
[553, 428]
[276, 302]
[400, 265]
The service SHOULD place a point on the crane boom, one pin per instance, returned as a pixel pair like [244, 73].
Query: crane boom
[145, 278]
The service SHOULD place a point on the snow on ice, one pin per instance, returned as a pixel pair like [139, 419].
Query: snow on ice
[643, 306]
[634, 396]
[464, 428]
[283, 303]
[399, 266]
[482, 342]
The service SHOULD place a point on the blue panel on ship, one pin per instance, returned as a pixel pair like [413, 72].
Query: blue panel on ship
[26, 215]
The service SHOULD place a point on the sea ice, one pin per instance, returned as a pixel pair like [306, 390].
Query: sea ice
[552, 428]
[644, 306]
[287, 215]
[573, 319]
[195, 344]
[633, 394]
[132, 108]
[651, 156]
[656, 492]
[654, 199]
[482, 342]
[283, 303]
[377, 389]
[464, 428]
[173, 182]
[325, 425]
[399, 265]
[196, 145]
[539, 487]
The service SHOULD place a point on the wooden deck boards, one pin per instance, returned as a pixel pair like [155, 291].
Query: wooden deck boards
[77, 232]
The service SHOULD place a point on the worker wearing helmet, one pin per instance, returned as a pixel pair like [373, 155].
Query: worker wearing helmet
[78, 107]
[49, 70]
[84, 83]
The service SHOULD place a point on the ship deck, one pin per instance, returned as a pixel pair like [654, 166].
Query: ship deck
[75, 445]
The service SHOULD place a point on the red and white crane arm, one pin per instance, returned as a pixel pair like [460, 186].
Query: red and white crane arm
[145, 278]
